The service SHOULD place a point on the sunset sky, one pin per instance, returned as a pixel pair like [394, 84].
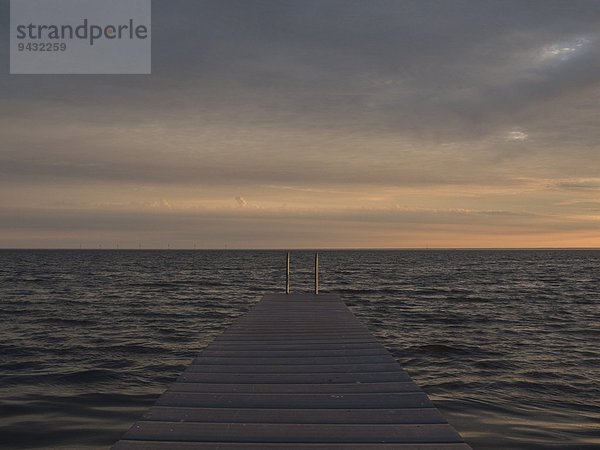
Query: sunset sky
[276, 124]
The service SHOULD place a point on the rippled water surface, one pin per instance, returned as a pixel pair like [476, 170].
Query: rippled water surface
[506, 343]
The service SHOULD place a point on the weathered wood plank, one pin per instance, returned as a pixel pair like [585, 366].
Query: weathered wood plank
[220, 445]
[288, 432]
[371, 400]
[293, 368]
[295, 353]
[341, 340]
[309, 377]
[296, 388]
[293, 346]
[253, 415]
[302, 360]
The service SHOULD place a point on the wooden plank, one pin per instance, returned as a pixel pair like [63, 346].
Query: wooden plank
[296, 388]
[309, 377]
[294, 336]
[282, 346]
[220, 445]
[293, 368]
[294, 327]
[272, 415]
[302, 360]
[341, 340]
[278, 324]
[293, 432]
[371, 400]
[295, 353]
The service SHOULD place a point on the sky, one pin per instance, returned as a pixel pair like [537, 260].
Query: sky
[316, 124]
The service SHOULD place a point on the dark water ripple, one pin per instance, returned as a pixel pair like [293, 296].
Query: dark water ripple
[504, 342]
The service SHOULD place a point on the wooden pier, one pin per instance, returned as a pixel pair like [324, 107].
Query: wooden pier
[298, 371]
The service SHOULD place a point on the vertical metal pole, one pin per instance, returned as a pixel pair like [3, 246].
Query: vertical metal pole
[317, 273]
[287, 274]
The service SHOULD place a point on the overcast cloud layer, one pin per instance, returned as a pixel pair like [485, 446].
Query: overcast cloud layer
[317, 124]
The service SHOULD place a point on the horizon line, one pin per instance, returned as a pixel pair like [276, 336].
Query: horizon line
[293, 248]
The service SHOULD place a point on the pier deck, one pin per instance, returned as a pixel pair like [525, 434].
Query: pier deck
[298, 372]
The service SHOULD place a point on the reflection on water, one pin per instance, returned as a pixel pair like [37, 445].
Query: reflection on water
[504, 342]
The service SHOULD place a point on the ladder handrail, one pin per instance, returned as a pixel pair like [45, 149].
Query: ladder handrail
[287, 273]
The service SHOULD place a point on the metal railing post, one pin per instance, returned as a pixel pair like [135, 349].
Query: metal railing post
[287, 274]
[317, 273]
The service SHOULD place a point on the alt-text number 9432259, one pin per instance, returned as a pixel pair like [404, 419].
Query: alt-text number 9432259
[42, 46]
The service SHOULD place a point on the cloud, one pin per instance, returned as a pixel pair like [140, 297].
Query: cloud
[250, 228]
[241, 202]
[161, 204]
[516, 136]
[592, 184]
